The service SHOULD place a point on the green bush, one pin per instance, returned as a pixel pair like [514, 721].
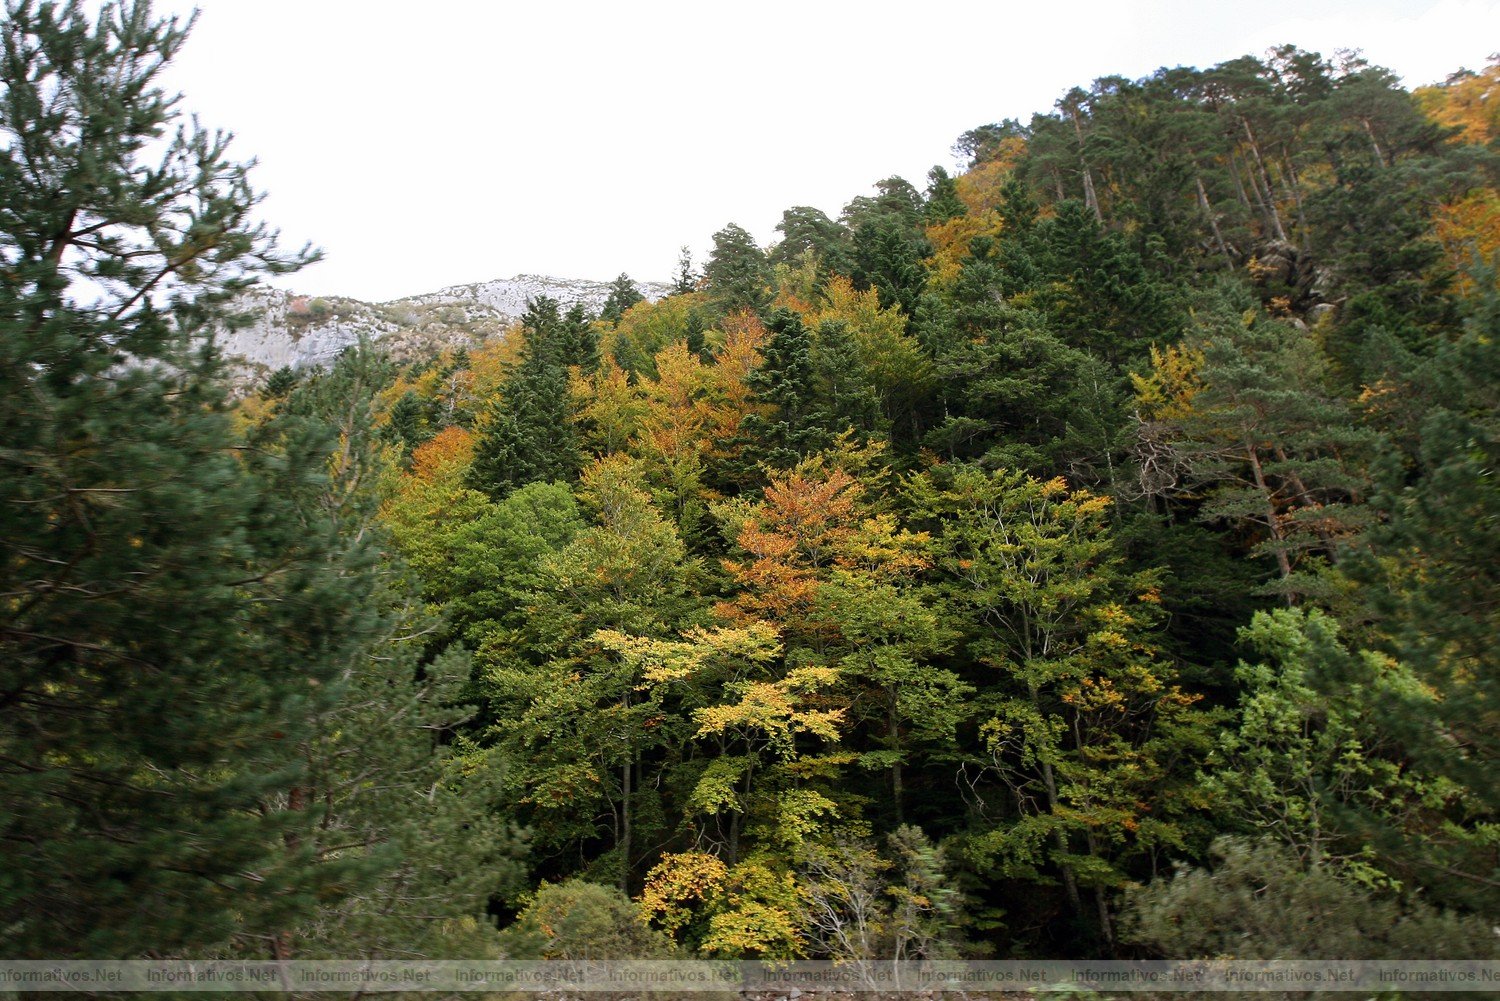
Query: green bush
[1259, 902]
[578, 920]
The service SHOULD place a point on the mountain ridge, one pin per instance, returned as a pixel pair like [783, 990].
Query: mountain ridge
[295, 330]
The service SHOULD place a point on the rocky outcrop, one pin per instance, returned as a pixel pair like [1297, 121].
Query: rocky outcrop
[297, 331]
[1286, 273]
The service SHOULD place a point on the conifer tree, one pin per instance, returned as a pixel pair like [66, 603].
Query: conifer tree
[529, 436]
[845, 397]
[578, 345]
[888, 256]
[738, 276]
[173, 621]
[622, 295]
[806, 229]
[1431, 576]
[786, 381]
[942, 201]
[686, 280]
[1274, 449]
[409, 829]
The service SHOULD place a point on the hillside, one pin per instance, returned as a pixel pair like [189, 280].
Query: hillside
[1093, 553]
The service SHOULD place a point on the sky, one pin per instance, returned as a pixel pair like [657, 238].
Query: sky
[438, 143]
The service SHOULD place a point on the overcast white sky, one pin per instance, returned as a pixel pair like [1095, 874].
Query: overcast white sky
[443, 142]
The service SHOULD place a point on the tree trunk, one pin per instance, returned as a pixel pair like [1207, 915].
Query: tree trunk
[1089, 197]
[625, 827]
[1213, 221]
[1239, 185]
[1106, 924]
[281, 942]
[1262, 200]
[1273, 523]
[1054, 802]
[1305, 497]
[1265, 176]
[893, 739]
[1101, 905]
[1070, 883]
[1379, 153]
[1304, 231]
[735, 823]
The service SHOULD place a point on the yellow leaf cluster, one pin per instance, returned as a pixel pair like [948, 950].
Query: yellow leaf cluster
[1469, 104]
[675, 883]
[1469, 229]
[1167, 392]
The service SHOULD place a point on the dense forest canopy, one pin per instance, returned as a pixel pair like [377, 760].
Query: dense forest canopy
[1012, 566]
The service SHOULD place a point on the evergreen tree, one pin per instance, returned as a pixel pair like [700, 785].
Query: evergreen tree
[942, 201]
[697, 344]
[806, 229]
[578, 344]
[281, 382]
[737, 276]
[895, 201]
[686, 280]
[1260, 901]
[1251, 422]
[846, 400]
[529, 435]
[410, 829]
[1309, 762]
[981, 145]
[1101, 294]
[1015, 395]
[622, 295]
[1431, 577]
[889, 243]
[889, 256]
[175, 617]
[785, 381]
[408, 422]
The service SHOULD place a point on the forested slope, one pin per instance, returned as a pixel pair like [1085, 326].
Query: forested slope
[1029, 564]
[995, 546]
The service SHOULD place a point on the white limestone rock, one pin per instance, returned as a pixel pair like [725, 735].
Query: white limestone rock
[298, 331]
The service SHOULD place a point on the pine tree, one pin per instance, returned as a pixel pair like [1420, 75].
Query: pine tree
[738, 275]
[1432, 575]
[806, 229]
[409, 829]
[173, 620]
[1255, 427]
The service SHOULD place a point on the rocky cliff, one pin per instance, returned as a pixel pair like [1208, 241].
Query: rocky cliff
[298, 331]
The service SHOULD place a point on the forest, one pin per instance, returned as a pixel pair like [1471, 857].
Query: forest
[1093, 551]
